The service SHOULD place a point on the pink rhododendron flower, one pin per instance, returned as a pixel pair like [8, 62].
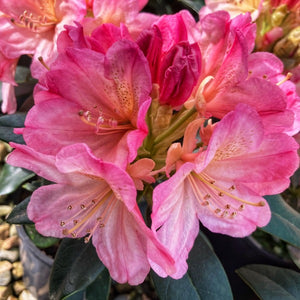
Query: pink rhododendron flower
[222, 185]
[95, 200]
[7, 73]
[97, 99]
[227, 62]
[235, 8]
[117, 12]
[32, 27]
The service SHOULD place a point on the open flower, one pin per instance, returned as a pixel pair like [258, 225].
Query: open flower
[95, 200]
[222, 185]
[229, 75]
[32, 27]
[97, 99]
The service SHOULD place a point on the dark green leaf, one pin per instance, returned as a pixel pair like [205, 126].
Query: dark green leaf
[7, 125]
[19, 213]
[205, 279]
[38, 239]
[77, 296]
[12, 177]
[14, 120]
[22, 74]
[100, 288]
[271, 283]
[285, 221]
[76, 266]
[193, 4]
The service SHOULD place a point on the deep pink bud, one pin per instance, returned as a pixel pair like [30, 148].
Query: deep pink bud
[150, 42]
[179, 73]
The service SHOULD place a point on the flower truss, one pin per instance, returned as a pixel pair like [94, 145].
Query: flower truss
[129, 102]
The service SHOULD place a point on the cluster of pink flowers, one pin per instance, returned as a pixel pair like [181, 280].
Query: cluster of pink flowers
[129, 100]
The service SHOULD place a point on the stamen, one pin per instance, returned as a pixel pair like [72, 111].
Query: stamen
[209, 183]
[91, 212]
[287, 77]
[233, 214]
[41, 60]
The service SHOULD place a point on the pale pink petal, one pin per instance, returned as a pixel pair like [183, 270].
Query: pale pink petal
[7, 69]
[264, 65]
[140, 171]
[174, 216]
[9, 102]
[231, 218]
[41, 164]
[127, 261]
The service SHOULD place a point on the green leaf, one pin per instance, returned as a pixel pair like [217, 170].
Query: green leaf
[271, 283]
[193, 4]
[76, 266]
[22, 74]
[100, 288]
[38, 239]
[12, 177]
[7, 125]
[285, 221]
[205, 278]
[19, 214]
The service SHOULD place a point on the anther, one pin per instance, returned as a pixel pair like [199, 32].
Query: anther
[224, 214]
[205, 203]
[74, 234]
[232, 188]
[287, 77]
[93, 201]
[69, 207]
[233, 214]
[207, 196]
[75, 222]
[62, 223]
[221, 194]
[82, 206]
[101, 225]
[227, 206]
[41, 60]
[65, 232]
[80, 113]
[86, 239]
[242, 207]
[217, 211]
[265, 76]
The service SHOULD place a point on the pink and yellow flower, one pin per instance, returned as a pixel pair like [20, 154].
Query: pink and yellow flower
[221, 185]
[32, 28]
[97, 99]
[95, 200]
[229, 73]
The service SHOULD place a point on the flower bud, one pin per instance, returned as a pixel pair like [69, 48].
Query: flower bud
[179, 73]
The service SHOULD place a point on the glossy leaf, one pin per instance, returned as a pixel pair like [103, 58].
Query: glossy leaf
[12, 177]
[193, 4]
[205, 278]
[76, 266]
[19, 214]
[285, 221]
[7, 125]
[100, 288]
[38, 239]
[294, 253]
[271, 283]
